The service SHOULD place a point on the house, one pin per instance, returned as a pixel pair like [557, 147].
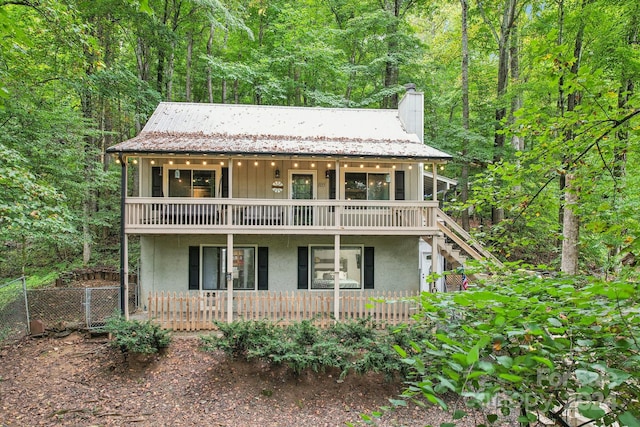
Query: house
[230, 199]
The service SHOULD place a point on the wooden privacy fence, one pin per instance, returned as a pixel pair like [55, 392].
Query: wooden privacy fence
[199, 310]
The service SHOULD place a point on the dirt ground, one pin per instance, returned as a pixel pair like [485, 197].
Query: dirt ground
[80, 380]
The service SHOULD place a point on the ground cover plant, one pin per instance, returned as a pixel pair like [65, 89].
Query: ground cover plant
[357, 346]
[137, 337]
[532, 345]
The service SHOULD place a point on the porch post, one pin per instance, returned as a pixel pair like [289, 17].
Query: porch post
[434, 168]
[336, 277]
[230, 192]
[124, 295]
[124, 256]
[229, 278]
[338, 210]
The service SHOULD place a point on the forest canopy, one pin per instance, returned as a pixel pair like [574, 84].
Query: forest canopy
[536, 101]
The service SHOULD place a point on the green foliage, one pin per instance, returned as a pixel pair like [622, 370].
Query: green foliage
[134, 336]
[350, 346]
[533, 344]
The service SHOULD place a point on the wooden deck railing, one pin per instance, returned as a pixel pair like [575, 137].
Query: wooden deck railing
[199, 215]
[198, 311]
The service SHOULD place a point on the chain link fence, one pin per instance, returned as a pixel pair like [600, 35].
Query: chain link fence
[77, 308]
[14, 317]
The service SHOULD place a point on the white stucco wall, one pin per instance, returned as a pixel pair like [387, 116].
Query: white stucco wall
[164, 259]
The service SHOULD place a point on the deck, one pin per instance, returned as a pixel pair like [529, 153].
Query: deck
[262, 216]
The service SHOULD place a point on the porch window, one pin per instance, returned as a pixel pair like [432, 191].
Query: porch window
[192, 181]
[367, 185]
[214, 268]
[322, 267]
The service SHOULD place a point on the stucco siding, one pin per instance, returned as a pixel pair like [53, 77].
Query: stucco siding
[164, 259]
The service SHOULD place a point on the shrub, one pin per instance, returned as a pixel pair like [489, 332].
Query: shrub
[241, 336]
[350, 346]
[133, 336]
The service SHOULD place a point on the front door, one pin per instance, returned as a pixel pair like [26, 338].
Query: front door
[303, 187]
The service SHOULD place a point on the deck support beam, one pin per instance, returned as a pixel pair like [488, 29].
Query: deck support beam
[124, 255]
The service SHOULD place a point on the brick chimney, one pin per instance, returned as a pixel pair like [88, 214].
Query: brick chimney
[411, 111]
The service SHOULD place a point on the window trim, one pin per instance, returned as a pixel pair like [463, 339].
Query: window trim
[368, 170]
[167, 167]
[255, 267]
[311, 268]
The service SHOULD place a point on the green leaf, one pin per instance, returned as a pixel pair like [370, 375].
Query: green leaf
[591, 411]
[543, 360]
[400, 351]
[554, 321]
[511, 377]
[473, 355]
[459, 414]
[492, 418]
[627, 419]
[505, 361]
[398, 402]
[586, 377]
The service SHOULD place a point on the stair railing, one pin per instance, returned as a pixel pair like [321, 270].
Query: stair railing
[462, 238]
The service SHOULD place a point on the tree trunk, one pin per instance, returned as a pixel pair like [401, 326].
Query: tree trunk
[187, 83]
[570, 219]
[212, 30]
[507, 25]
[516, 102]
[391, 71]
[464, 176]
[571, 229]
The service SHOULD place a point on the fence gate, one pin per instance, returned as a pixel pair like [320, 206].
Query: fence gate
[101, 303]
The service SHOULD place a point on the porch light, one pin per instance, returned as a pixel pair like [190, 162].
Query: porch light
[313, 165]
[239, 163]
[361, 166]
[273, 163]
[441, 167]
[295, 165]
[377, 166]
[221, 163]
[135, 161]
[204, 162]
[170, 162]
[188, 162]
[153, 162]
[393, 167]
[410, 167]
[276, 173]
[255, 163]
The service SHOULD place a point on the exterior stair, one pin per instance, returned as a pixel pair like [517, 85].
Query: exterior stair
[458, 246]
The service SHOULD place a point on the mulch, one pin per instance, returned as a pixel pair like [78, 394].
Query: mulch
[80, 380]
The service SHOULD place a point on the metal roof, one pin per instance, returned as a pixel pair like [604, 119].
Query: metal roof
[250, 129]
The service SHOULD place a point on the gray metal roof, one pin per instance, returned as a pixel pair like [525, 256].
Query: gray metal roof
[250, 129]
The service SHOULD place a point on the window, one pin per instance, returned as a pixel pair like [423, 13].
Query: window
[191, 181]
[322, 267]
[214, 268]
[367, 185]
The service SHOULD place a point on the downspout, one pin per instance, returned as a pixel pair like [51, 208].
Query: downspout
[123, 246]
